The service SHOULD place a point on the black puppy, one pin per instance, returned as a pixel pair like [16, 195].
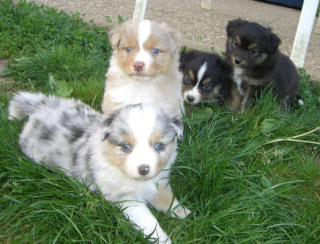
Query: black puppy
[206, 77]
[253, 51]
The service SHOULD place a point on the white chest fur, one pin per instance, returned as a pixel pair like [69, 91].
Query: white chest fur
[162, 91]
[238, 79]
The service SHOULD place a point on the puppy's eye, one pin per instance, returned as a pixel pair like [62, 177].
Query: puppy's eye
[128, 49]
[126, 147]
[159, 146]
[253, 52]
[155, 51]
[206, 87]
[234, 44]
[187, 79]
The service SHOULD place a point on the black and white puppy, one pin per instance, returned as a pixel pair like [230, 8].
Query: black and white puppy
[127, 155]
[253, 51]
[206, 77]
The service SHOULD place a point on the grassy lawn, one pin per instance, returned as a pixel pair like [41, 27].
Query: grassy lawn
[249, 178]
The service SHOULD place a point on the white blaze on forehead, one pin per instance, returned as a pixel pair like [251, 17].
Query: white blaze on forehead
[143, 55]
[142, 121]
[201, 72]
[144, 31]
[194, 92]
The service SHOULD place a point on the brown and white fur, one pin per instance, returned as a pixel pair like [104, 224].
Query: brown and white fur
[144, 68]
[127, 155]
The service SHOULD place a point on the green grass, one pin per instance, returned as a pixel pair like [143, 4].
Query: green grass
[250, 178]
[28, 26]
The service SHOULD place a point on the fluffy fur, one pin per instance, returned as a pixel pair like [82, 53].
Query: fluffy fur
[144, 67]
[206, 77]
[128, 155]
[253, 51]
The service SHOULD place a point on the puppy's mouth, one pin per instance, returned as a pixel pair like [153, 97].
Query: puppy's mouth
[140, 74]
[144, 76]
[141, 77]
[143, 178]
[191, 99]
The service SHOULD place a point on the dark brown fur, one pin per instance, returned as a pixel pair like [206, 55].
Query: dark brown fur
[253, 51]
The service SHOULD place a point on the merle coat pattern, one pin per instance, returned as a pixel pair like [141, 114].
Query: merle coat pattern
[128, 155]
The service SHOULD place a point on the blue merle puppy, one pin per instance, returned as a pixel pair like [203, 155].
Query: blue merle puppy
[128, 155]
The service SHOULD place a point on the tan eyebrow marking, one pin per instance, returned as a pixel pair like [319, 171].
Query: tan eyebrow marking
[253, 45]
[191, 75]
[206, 80]
[238, 40]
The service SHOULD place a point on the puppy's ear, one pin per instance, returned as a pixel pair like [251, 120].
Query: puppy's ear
[225, 69]
[106, 127]
[175, 40]
[115, 36]
[184, 58]
[274, 41]
[233, 25]
[178, 126]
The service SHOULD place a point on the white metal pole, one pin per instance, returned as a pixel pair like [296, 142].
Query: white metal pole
[140, 9]
[206, 4]
[303, 33]
[318, 26]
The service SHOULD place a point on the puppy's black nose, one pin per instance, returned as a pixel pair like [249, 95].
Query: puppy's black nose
[144, 169]
[237, 60]
[190, 98]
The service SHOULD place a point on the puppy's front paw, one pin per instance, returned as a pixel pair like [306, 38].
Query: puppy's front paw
[168, 241]
[180, 212]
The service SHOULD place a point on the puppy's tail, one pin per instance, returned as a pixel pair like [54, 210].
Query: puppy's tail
[299, 100]
[23, 104]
